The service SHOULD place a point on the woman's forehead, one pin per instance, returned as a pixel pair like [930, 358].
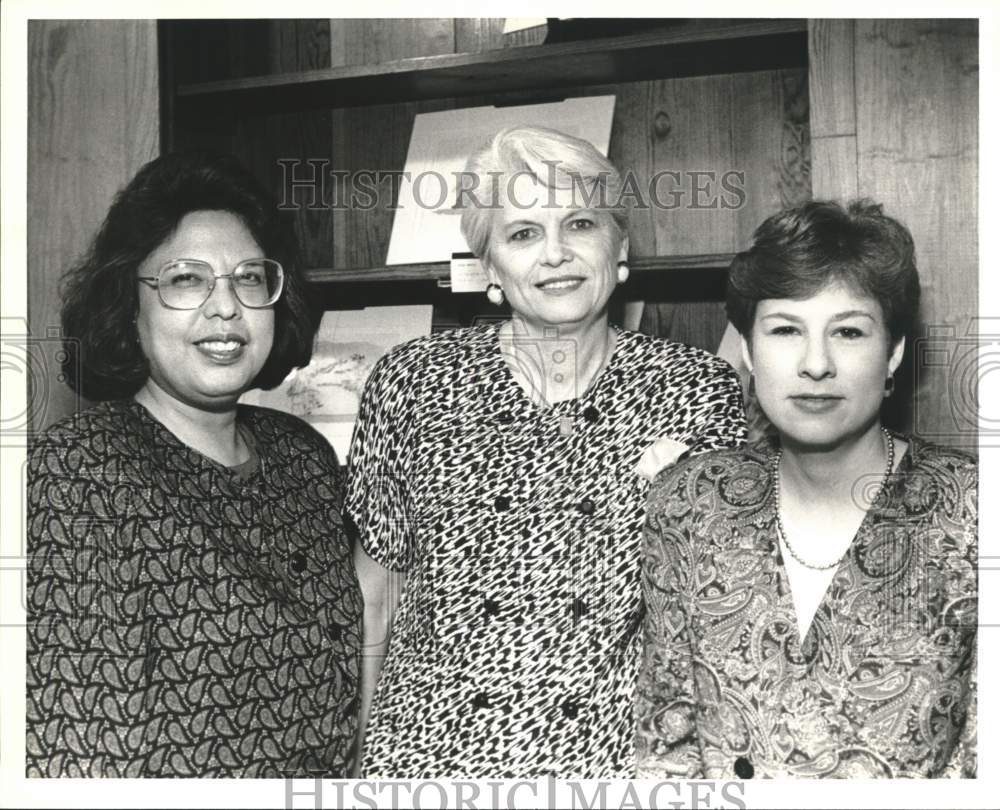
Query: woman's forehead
[525, 197]
[834, 299]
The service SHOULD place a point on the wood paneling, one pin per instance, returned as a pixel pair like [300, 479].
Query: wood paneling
[835, 168]
[632, 150]
[93, 121]
[771, 145]
[305, 136]
[833, 110]
[917, 123]
[755, 124]
[678, 49]
[831, 77]
[376, 138]
[895, 117]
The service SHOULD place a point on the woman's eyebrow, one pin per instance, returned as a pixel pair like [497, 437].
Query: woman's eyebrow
[784, 315]
[853, 313]
[850, 313]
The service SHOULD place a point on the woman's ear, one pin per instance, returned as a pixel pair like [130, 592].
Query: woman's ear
[747, 354]
[897, 355]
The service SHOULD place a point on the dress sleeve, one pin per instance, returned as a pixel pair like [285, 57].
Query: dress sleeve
[962, 763]
[719, 419]
[666, 706]
[378, 498]
[84, 676]
[963, 760]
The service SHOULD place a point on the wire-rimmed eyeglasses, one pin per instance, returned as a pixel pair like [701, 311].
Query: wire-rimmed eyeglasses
[187, 283]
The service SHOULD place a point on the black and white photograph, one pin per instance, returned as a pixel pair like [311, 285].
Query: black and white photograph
[494, 411]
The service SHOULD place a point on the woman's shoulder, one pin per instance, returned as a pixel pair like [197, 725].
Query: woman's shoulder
[444, 347]
[743, 471]
[102, 445]
[931, 455]
[104, 425]
[949, 471]
[671, 357]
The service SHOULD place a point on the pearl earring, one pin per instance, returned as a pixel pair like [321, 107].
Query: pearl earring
[623, 272]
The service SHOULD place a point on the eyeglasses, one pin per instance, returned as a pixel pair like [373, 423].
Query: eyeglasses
[187, 283]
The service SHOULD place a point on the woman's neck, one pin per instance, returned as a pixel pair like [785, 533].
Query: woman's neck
[552, 363]
[211, 433]
[832, 476]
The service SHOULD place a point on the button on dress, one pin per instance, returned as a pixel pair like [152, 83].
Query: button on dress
[505, 517]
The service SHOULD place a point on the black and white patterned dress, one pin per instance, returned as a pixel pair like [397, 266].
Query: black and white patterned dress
[184, 618]
[514, 650]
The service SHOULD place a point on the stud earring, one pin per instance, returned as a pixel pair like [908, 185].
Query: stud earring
[494, 292]
[623, 272]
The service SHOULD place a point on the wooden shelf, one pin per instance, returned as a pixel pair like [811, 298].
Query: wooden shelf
[680, 48]
[441, 270]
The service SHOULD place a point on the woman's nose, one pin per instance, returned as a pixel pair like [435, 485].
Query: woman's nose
[222, 300]
[817, 361]
[555, 251]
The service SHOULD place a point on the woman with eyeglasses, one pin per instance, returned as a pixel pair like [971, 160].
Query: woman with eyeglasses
[192, 605]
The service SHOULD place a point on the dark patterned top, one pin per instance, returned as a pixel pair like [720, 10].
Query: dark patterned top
[884, 682]
[184, 619]
[515, 650]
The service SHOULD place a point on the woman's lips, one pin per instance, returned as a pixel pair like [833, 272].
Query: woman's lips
[560, 285]
[222, 350]
[816, 404]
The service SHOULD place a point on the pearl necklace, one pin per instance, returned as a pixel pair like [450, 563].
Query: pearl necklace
[775, 482]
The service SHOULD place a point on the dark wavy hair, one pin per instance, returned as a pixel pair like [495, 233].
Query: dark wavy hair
[800, 250]
[100, 298]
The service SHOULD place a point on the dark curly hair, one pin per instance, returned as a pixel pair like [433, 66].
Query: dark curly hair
[100, 294]
[800, 250]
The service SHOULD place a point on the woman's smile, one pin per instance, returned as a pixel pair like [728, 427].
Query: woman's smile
[224, 349]
[561, 285]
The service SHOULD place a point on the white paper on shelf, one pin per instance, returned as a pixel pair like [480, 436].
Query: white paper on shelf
[468, 275]
[426, 225]
[512, 24]
[327, 392]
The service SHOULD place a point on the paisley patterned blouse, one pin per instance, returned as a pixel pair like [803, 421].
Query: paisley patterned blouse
[884, 683]
[184, 618]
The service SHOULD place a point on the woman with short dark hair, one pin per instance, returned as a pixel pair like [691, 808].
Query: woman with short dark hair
[812, 598]
[192, 607]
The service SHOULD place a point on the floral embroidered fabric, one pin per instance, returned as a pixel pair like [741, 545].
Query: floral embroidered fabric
[883, 685]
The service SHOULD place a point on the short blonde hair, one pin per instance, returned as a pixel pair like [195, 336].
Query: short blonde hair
[544, 154]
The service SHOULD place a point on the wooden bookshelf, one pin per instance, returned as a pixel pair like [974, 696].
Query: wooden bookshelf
[686, 48]
[441, 270]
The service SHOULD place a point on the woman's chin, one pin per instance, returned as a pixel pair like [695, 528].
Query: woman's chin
[565, 312]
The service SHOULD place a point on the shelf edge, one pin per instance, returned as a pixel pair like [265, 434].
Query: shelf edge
[441, 270]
